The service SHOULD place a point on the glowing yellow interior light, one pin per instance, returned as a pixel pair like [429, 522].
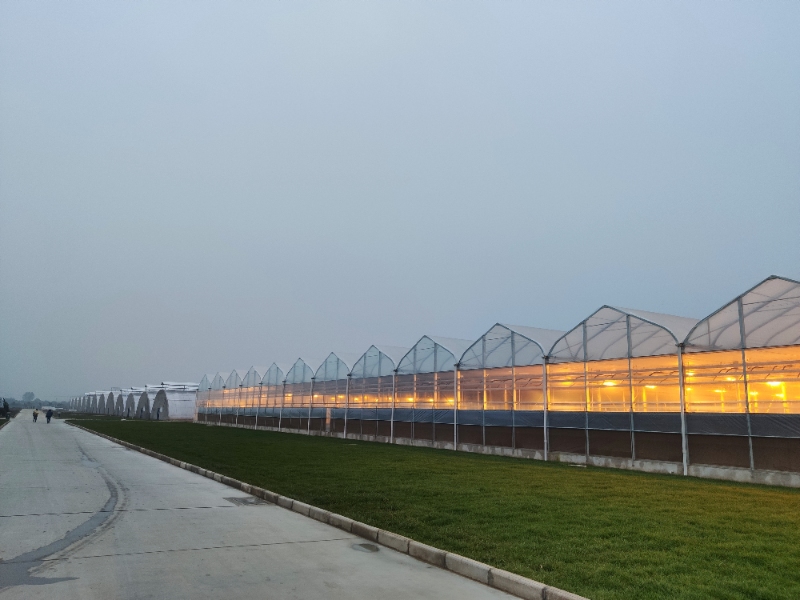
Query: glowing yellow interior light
[650, 387]
[609, 383]
[730, 379]
[720, 391]
[780, 395]
[774, 383]
[754, 393]
[690, 373]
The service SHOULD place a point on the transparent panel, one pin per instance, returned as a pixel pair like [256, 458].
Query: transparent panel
[772, 314]
[714, 382]
[773, 380]
[427, 357]
[274, 376]
[719, 331]
[656, 384]
[470, 389]
[608, 383]
[566, 385]
[529, 382]
[252, 378]
[356, 391]
[526, 352]
[405, 391]
[649, 340]
[424, 390]
[498, 348]
[499, 389]
[445, 390]
[606, 335]
[473, 357]
[233, 380]
[570, 347]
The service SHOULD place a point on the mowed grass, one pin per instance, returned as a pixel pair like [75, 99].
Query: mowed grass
[601, 533]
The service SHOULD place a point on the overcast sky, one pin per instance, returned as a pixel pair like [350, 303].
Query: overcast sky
[190, 187]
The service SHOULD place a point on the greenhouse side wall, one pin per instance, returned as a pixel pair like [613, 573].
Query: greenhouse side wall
[736, 416]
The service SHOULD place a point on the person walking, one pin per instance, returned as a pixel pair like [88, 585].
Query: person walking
[35, 414]
[49, 414]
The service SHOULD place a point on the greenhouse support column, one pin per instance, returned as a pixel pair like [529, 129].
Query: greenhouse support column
[394, 402]
[258, 409]
[483, 390]
[220, 405]
[746, 386]
[513, 395]
[684, 437]
[310, 405]
[456, 373]
[283, 402]
[630, 384]
[483, 407]
[238, 402]
[435, 404]
[346, 403]
[586, 388]
[545, 405]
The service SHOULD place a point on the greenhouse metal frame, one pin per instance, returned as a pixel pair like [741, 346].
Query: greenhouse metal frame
[718, 396]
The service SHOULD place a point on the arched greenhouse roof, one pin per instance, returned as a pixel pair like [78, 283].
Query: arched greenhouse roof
[253, 377]
[432, 354]
[336, 366]
[234, 380]
[378, 362]
[509, 345]
[767, 314]
[274, 375]
[205, 382]
[300, 372]
[615, 332]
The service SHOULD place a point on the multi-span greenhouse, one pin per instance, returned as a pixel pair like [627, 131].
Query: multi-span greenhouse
[718, 397]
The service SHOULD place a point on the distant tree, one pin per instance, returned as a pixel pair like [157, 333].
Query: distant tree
[28, 397]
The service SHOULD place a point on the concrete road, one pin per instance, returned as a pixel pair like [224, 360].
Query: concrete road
[81, 518]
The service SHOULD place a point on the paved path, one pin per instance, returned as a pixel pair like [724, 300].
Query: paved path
[81, 518]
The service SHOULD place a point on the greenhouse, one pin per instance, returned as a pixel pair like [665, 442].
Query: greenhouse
[613, 386]
[293, 413]
[501, 384]
[271, 396]
[742, 381]
[715, 397]
[369, 400]
[425, 390]
[329, 397]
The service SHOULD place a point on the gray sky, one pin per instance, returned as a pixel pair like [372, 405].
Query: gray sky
[187, 187]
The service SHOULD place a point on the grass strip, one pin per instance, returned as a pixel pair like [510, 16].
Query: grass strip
[601, 533]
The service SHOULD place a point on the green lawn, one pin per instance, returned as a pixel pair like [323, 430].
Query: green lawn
[602, 533]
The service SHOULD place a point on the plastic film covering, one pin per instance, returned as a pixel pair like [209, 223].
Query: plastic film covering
[426, 376]
[297, 388]
[612, 332]
[503, 369]
[250, 394]
[203, 393]
[330, 381]
[766, 315]
[272, 387]
[231, 392]
[509, 346]
[372, 382]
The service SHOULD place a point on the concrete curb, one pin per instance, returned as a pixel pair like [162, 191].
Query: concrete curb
[505, 581]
